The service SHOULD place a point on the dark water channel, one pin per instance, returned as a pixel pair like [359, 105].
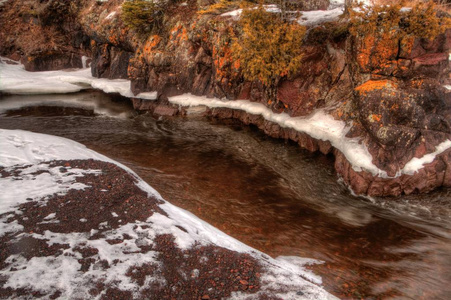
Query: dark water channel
[267, 193]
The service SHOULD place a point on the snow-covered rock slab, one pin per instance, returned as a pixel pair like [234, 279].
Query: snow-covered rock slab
[95, 230]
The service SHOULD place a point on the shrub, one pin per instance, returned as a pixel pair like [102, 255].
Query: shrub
[268, 48]
[142, 15]
[421, 20]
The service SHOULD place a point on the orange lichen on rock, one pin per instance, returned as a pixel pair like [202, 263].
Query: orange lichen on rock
[149, 49]
[364, 52]
[236, 65]
[417, 83]
[151, 43]
[378, 54]
[178, 35]
[375, 117]
[372, 85]
[386, 48]
[406, 46]
[113, 38]
[222, 59]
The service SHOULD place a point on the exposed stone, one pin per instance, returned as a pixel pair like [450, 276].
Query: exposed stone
[110, 62]
[431, 64]
[164, 110]
[51, 61]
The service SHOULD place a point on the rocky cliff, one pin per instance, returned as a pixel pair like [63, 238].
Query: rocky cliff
[394, 93]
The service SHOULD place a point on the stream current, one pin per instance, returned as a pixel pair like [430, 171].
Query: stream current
[267, 193]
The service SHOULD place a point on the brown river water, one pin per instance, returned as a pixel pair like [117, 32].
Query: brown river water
[267, 193]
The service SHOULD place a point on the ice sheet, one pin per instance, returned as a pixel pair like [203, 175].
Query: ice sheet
[14, 79]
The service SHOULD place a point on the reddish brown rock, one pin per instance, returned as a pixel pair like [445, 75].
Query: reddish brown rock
[51, 61]
[431, 64]
[426, 179]
[164, 110]
[110, 62]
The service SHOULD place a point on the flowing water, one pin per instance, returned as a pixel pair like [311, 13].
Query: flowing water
[268, 193]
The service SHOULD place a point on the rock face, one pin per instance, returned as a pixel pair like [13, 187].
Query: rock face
[403, 108]
[392, 91]
[43, 35]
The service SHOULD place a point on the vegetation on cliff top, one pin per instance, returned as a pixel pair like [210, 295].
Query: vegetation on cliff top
[421, 20]
[268, 48]
[142, 15]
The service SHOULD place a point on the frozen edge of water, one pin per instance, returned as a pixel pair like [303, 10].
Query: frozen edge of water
[320, 125]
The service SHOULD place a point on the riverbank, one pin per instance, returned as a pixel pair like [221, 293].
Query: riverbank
[319, 131]
[87, 227]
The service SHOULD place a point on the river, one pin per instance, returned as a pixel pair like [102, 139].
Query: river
[268, 193]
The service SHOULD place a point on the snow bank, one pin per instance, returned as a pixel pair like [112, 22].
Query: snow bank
[18, 147]
[416, 164]
[14, 79]
[62, 272]
[318, 125]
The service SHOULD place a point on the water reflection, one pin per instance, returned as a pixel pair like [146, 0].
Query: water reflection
[267, 193]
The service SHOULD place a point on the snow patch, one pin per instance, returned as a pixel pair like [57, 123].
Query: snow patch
[233, 13]
[416, 164]
[24, 147]
[45, 274]
[315, 17]
[308, 18]
[29, 186]
[236, 14]
[110, 16]
[9, 227]
[62, 272]
[84, 59]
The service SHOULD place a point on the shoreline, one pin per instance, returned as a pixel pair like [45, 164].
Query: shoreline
[93, 229]
[318, 131]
